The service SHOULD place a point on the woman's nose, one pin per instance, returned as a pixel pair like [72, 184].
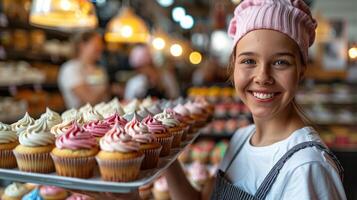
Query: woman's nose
[263, 75]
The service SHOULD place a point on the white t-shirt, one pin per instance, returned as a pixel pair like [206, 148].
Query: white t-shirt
[308, 174]
[72, 74]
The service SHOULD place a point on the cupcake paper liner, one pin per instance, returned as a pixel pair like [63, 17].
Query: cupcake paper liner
[39, 162]
[74, 167]
[166, 145]
[120, 170]
[151, 159]
[7, 159]
[185, 132]
[177, 138]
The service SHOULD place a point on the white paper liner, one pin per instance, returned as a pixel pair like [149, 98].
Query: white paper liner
[74, 167]
[166, 143]
[7, 159]
[120, 170]
[151, 159]
[39, 162]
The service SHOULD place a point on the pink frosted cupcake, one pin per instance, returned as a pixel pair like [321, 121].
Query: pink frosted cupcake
[53, 193]
[197, 113]
[186, 115]
[148, 144]
[111, 120]
[162, 135]
[74, 153]
[119, 159]
[184, 126]
[173, 125]
[97, 128]
[61, 128]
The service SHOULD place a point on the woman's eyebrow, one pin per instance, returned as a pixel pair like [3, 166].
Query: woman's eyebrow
[248, 53]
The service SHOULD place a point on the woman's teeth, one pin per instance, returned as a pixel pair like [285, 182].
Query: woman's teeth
[263, 95]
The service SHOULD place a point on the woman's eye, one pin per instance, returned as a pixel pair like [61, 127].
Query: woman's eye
[281, 63]
[248, 61]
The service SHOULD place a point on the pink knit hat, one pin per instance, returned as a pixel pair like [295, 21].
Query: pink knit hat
[140, 56]
[291, 17]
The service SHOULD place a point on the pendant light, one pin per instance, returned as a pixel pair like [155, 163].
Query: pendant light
[127, 27]
[65, 15]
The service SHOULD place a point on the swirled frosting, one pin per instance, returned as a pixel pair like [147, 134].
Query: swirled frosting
[61, 128]
[194, 109]
[52, 118]
[182, 110]
[132, 106]
[154, 125]
[97, 128]
[77, 196]
[155, 109]
[15, 190]
[48, 190]
[85, 108]
[167, 119]
[37, 134]
[91, 115]
[7, 135]
[76, 138]
[69, 115]
[175, 115]
[161, 184]
[21, 125]
[139, 131]
[116, 118]
[114, 104]
[143, 112]
[33, 195]
[117, 140]
[147, 102]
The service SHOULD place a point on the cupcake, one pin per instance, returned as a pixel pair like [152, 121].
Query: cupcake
[52, 118]
[162, 135]
[53, 193]
[85, 108]
[33, 195]
[14, 191]
[8, 141]
[173, 126]
[132, 106]
[97, 128]
[161, 189]
[201, 151]
[119, 159]
[21, 125]
[61, 128]
[74, 153]
[91, 115]
[148, 144]
[114, 118]
[198, 174]
[69, 115]
[145, 191]
[77, 196]
[154, 109]
[197, 114]
[185, 113]
[184, 126]
[31, 186]
[33, 153]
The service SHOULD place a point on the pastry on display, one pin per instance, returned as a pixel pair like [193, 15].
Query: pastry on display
[36, 143]
[14, 191]
[53, 193]
[75, 151]
[61, 128]
[161, 189]
[8, 141]
[148, 144]
[119, 159]
[161, 133]
[91, 115]
[198, 174]
[116, 118]
[21, 125]
[145, 191]
[172, 125]
[97, 128]
[52, 118]
[201, 151]
[33, 195]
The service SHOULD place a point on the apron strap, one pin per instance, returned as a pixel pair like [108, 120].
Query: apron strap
[269, 180]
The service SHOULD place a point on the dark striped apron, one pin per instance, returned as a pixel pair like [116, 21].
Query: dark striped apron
[225, 190]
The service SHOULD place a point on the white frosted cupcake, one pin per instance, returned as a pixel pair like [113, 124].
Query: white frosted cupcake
[52, 118]
[14, 191]
[8, 141]
[21, 125]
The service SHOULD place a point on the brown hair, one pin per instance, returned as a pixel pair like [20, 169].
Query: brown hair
[82, 37]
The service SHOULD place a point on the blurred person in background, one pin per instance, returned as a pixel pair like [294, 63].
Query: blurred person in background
[80, 79]
[149, 81]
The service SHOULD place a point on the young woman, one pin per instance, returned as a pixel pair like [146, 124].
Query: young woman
[80, 79]
[279, 157]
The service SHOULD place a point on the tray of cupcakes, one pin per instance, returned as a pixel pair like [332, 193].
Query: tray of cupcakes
[109, 147]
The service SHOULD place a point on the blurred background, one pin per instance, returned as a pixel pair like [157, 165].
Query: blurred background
[189, 51]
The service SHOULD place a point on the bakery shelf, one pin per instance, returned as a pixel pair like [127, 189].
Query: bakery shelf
[95, 183]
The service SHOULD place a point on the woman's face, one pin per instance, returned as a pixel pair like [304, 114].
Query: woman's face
[267, 71]
[92, 49]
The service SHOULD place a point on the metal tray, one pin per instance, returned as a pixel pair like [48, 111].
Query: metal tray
[95, 183]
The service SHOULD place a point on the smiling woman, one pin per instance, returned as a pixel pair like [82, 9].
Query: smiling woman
[280, 156]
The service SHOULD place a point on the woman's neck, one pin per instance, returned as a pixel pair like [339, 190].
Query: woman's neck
[277, 128]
